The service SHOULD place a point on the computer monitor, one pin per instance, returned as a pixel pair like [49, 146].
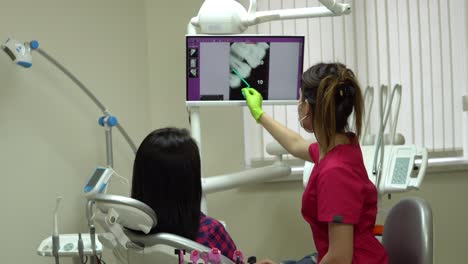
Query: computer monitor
[218, 67]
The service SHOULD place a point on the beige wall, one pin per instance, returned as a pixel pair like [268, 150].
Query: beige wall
[135, 52]
[49, 135]
[166, 27]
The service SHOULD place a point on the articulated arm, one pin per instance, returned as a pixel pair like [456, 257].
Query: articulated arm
[230, 17]
[234, 180]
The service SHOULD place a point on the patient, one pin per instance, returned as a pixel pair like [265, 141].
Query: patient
[167, 177]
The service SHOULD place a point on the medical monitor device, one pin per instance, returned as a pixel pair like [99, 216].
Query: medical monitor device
[97, 183]
[218, 67]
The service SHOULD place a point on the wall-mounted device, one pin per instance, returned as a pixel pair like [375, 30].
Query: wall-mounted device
[97, 183]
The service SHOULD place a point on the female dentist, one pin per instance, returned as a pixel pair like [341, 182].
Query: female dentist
[339, 202]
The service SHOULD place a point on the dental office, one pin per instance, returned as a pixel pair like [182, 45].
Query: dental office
[85, 84]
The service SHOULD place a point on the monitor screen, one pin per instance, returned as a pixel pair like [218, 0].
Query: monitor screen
[96, 176]
[218, 67]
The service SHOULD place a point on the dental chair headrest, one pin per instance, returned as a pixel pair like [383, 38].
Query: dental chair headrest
[133, 214]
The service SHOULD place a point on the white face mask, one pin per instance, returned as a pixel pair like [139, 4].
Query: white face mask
[301, 121]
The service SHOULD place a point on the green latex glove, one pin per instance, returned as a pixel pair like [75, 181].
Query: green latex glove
[254, 102]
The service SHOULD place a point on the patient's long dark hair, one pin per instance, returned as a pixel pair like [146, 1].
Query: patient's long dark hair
[167, 177]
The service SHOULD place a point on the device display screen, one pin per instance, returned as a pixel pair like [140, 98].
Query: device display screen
[8, 51]
[96, 176]
[218, 67]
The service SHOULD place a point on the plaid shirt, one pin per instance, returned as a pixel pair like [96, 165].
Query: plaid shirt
[213, 235]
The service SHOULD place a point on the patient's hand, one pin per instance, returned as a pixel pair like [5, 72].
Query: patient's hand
[266, 261]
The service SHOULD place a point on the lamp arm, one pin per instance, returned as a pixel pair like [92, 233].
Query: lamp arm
[331, 8]
[98, 103]
[73, 78]
[285, 14]
[336, 7]
[127, 137]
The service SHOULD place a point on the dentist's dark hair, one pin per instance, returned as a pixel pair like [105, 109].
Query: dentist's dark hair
[167, 177]
[333, 93]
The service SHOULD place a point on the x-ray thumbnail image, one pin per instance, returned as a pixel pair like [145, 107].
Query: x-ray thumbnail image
[193, 63]
[193, 73]
[193, 52]
[249, 67]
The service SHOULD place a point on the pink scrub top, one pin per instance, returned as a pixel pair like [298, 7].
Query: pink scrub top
[339, 191]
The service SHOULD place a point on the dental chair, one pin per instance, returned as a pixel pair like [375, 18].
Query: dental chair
[408, 232]
[127, 223]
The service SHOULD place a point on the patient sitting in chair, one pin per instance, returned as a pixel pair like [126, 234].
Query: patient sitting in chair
[167, 177]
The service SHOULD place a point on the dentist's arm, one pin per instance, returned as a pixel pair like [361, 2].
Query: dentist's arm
[289, 139]
[340, 248]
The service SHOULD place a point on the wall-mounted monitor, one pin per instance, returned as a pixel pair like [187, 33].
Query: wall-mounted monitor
[218, 67]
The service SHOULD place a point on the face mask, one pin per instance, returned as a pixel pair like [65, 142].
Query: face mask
[301, 121]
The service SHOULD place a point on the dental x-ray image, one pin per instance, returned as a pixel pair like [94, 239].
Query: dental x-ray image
[249, 67]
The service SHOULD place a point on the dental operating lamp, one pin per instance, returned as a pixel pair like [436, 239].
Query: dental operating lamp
[230, 17]
[20, 54]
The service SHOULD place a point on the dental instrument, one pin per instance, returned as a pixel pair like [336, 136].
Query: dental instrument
[240, 77]
[205, 257]
[238, 257]
[55, 234]
[80, 249]
[215, 256]
[194, 256]
[180, 254]
[252, 260]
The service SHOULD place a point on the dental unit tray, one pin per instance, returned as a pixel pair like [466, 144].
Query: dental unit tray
[68, 246]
